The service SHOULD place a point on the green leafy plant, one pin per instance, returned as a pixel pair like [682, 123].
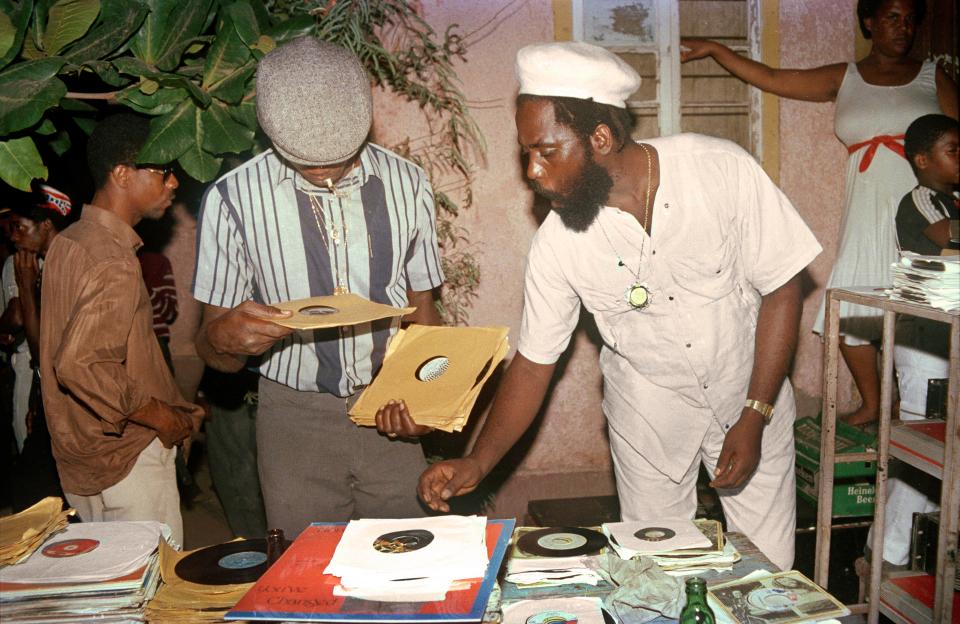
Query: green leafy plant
[190, 65]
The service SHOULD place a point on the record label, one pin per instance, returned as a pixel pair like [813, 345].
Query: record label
[70, 548]
[242, 560]
[552, 617]
[433, 368]
[561, 542]
[225, 564]
[655, 534]
[397, 542]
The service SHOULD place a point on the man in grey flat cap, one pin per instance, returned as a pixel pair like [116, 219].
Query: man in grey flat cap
[687, 256]
[324, 212]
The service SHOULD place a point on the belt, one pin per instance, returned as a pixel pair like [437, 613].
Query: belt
[893, 142]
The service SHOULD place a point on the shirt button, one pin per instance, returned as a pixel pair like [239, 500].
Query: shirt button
[705, 386]
[688, 345]
[670, 297]
[666, 205]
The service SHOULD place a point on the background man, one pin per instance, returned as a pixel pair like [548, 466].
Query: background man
[323, 212]
[112, 406]
[687, 256]
[34, 228]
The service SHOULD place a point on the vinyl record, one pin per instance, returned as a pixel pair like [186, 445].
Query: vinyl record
[654, 534]
[403, 541]
[225, 564]
[561, 542]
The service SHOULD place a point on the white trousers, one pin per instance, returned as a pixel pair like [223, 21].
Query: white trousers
[22, 380]
[149, 492]
[764, 509]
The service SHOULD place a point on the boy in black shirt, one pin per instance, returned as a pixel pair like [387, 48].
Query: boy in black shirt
[923, 227]
[924, 215]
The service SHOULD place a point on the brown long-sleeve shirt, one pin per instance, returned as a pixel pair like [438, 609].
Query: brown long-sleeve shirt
[99, 358]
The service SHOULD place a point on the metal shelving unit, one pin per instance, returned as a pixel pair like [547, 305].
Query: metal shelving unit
[884, 596]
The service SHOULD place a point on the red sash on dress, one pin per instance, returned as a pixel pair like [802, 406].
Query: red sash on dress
[891, 141]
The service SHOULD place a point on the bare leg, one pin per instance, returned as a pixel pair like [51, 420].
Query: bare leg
[862, 362]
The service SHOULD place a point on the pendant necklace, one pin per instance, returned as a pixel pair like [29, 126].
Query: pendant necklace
[638, 295]
[329, 234]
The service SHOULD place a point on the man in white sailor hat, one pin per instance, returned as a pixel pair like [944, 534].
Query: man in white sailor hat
[688, 257]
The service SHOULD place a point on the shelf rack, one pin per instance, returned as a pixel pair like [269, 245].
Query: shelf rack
[882, 595]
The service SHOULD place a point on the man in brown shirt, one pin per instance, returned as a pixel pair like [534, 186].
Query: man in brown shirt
[112, 407]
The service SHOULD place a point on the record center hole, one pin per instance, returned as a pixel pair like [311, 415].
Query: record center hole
[433, 368]
[317, 310]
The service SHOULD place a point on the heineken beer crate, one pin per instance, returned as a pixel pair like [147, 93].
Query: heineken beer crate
[853, 484]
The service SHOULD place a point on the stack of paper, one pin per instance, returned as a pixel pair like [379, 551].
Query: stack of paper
[931, 280]
[98, 571]
[182, 601]
[410, 560]
[437, 371]
[679, 547]
[22, 533]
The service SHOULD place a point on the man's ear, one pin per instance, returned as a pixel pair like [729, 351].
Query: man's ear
[601, 140]
[921, 160]
[120, 175]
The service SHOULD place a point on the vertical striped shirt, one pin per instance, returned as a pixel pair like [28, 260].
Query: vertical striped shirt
[267, 234]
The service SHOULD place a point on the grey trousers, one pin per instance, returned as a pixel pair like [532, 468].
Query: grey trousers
[316, 465]
[232, 445]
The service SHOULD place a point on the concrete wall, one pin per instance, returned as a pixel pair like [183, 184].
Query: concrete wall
[567, 453]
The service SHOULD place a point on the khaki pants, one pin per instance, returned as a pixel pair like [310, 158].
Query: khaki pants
[149, 492]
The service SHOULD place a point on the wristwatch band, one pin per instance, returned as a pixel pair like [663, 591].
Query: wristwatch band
[765, 409]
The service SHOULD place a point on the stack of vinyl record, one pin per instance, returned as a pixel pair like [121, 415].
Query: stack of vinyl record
[409, 560]
[678, 546]
[23, 532]
[202, 585]
[930, 280]
[437, 371]
[96, 571]
[555, 556]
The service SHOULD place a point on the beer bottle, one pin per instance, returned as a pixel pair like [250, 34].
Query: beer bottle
[696, 610]
[276, 544]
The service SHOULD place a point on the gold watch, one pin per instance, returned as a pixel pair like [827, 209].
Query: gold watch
[765, 409]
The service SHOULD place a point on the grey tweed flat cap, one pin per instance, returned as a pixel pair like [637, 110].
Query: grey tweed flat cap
[314, 102]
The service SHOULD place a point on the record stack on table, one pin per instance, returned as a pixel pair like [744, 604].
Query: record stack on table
[23, 532]
[95, 571]
[930, 280]
[555, 556]
[437, 371]
[202, 585]
[417, 560]
[680, 547]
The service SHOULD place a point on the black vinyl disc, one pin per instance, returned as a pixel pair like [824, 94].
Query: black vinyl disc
[561, 542]
[225, 564]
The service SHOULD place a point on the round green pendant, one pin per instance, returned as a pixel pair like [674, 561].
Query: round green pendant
[638, 296]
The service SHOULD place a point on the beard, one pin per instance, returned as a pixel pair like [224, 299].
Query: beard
[579, 207]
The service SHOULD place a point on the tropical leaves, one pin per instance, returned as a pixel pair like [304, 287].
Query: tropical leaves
[186, 64]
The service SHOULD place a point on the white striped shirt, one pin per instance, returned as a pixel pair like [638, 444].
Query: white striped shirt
[267, 234]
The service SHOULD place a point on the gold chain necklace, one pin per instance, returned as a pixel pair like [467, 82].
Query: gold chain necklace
[329, 234]
[637, 295]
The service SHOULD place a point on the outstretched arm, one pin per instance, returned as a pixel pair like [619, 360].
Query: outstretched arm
[776, 340]
[946, 93]
[820, 84]
[514, 409]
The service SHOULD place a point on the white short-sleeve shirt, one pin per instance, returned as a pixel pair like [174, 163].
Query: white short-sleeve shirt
[723, 235]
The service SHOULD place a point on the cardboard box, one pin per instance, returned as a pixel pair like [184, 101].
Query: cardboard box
[853, 484]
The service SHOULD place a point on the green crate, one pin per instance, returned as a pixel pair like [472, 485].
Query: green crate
[854, 483]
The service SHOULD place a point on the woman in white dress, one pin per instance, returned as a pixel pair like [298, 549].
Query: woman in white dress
[876, 99]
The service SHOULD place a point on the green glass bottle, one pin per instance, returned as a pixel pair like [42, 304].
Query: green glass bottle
[696, 610]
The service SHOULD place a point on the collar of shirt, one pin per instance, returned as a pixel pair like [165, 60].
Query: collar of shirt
[351, 182]
[122, 232]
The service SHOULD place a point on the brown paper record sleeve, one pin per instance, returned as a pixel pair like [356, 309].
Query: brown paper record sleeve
[445, 401]
[336, 311]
